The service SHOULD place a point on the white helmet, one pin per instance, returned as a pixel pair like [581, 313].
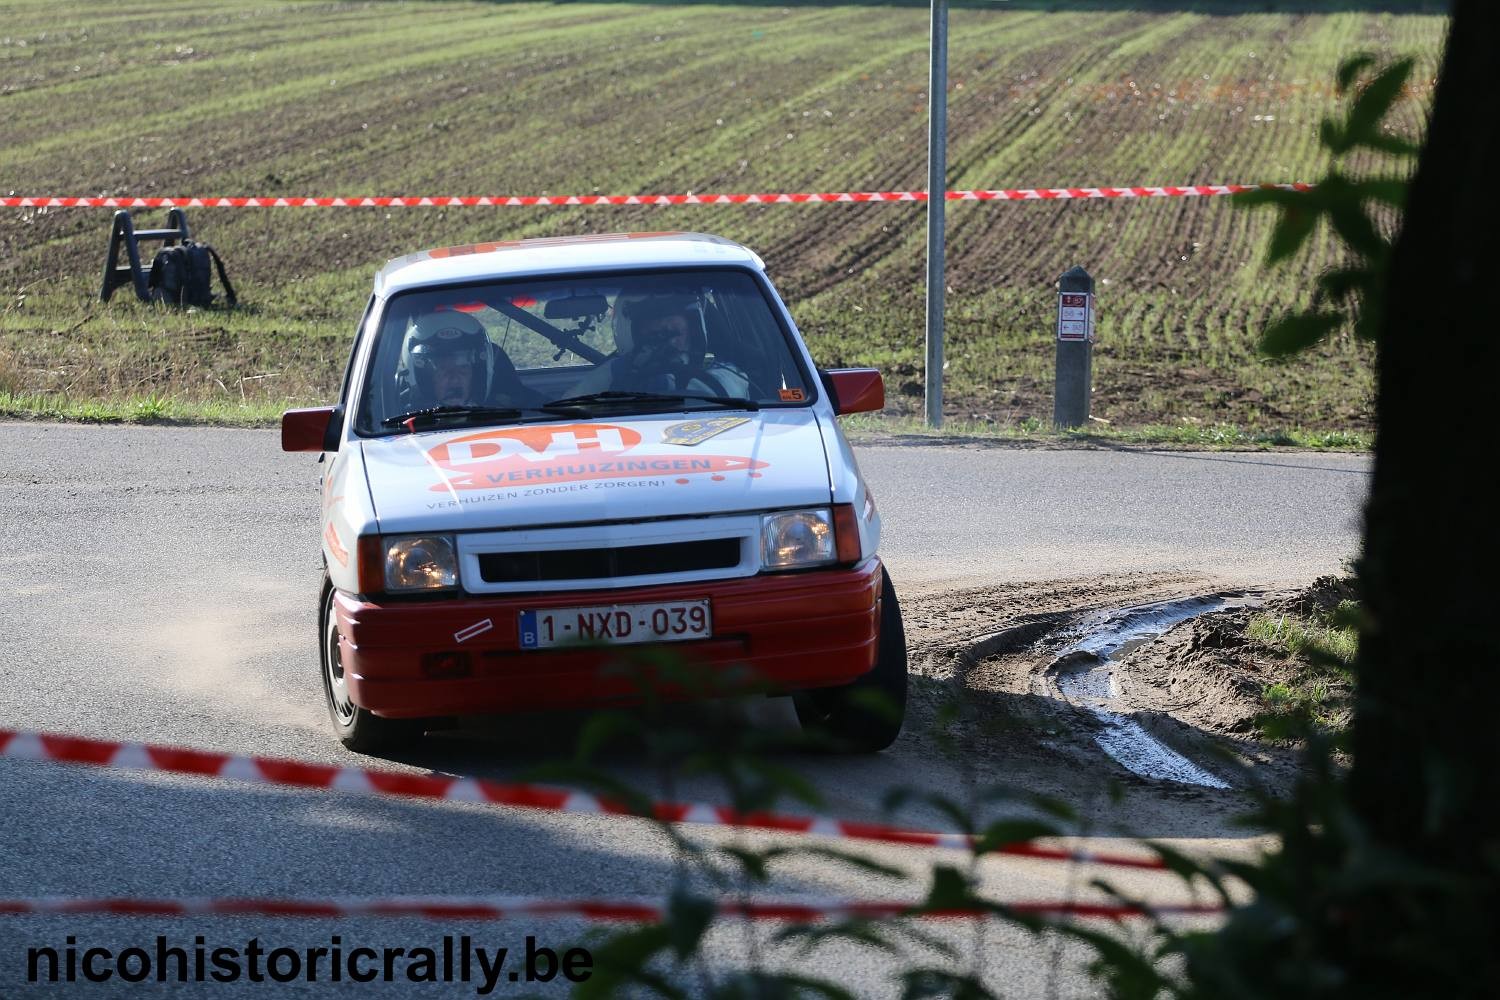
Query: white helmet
[444, 334]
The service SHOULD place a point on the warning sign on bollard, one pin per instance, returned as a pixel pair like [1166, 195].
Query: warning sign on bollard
[1075, 316]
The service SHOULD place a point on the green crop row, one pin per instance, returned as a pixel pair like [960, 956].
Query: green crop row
[233, 98]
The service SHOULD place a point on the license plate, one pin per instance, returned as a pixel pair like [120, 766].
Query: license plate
[617, 624]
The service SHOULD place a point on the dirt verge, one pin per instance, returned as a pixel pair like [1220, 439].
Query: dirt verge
[1209, 673]
[1196, 690]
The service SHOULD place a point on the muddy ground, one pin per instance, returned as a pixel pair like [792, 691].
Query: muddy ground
[1196, 689]
[1208, 673]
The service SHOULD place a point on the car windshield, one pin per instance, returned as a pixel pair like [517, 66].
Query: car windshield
[612, 344]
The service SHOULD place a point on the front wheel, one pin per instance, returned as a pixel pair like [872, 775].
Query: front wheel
[358, 729]
[865, 715]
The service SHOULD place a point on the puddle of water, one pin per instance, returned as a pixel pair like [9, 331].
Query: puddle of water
[1129, 744]
[1083, 674]
[1113, 634]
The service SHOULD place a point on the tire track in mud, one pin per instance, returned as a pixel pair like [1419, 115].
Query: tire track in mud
[945, 623]
[974, 713]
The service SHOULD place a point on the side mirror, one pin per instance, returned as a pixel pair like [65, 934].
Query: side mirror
[309, 429]
[856, 390]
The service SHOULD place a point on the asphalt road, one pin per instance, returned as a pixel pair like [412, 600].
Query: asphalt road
[159, 584]
[971, 516]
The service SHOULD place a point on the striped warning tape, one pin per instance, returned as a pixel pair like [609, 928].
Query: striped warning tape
[266, 770]
[782, 198]
[798, 910]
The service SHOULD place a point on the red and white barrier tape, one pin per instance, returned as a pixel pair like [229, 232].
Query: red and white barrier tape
[509, 907]
[783, 198]
[272, 771]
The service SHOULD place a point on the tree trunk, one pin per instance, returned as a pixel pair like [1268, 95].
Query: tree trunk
[1425, 780]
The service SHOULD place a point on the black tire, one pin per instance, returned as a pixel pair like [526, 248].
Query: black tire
[358, 729]
[865, 716]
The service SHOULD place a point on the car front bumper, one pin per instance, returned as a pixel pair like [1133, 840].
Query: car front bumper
[789, 631]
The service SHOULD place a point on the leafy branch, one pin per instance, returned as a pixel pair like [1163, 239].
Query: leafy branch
[1353, 294]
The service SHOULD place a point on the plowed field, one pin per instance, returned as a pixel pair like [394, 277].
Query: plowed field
[268, 98]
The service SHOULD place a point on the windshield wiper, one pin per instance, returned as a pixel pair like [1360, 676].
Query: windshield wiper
[618, 396]
[436, 413]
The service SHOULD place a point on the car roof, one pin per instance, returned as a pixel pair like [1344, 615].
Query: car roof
[559, 255]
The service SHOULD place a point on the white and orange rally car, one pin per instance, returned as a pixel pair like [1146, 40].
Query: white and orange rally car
[550, 454]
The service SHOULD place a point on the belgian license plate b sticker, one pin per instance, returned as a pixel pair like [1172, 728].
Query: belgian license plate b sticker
[617, 624]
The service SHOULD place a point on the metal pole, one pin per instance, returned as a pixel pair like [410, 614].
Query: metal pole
[937, 190]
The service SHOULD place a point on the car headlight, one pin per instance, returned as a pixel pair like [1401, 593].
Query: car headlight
[420, 562]
[795, 538]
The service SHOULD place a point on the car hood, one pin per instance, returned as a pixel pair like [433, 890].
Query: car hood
[668, 465]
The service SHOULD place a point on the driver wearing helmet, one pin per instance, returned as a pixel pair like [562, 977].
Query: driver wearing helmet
[448, 360]
[668, 346]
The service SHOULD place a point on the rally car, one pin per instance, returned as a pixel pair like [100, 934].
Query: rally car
[551, 455]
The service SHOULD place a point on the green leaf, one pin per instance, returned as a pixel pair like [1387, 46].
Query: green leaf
[760, 985]
[1054, 807]
[1013, 831]
[1350, 68]
[593, 778]
[951, 890]
[1292, 230]
[1395, 145]
[1271, 196]
[898, 798]
[1386, 190]
[1332, 135]
[1367, 323]
[876, 703]
[623, 959]
[1295, 333]
[860, 862]
[688, 919]
[921, 984]
[755, 864]
[1375, 101]
[1130, 974]
[1189, 868]
[916, 931]
[785, 779]
[1357, 228]
[1345, 282]
[857, 931]
[602, 729]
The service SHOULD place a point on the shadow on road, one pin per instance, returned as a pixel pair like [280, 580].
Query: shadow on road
[1029, 745]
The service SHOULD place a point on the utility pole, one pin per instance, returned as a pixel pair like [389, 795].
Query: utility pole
[937, 199]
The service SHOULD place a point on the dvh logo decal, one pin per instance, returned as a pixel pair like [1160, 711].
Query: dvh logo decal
[532, 455]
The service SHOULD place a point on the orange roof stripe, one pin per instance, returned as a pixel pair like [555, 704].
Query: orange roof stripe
[441, 253]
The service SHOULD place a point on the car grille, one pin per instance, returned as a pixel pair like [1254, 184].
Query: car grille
[609, 563]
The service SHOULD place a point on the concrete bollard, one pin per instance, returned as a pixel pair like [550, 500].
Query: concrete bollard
[1075, 348]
